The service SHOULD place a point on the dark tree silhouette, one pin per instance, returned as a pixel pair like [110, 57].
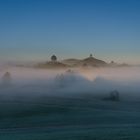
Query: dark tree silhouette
[53, 58]
[90, 55]
[114, 95]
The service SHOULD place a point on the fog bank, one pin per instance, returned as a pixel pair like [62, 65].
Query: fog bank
[98, 82]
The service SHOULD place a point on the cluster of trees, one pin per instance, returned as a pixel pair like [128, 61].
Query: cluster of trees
[113, 96]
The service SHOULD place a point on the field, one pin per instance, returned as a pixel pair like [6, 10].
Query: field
[62, 118]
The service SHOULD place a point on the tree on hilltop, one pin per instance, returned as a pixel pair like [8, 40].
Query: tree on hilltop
[53, 58]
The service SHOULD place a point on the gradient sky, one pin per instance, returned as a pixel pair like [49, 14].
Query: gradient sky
[35, 29]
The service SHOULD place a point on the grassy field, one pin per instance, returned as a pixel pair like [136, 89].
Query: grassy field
[57, 118]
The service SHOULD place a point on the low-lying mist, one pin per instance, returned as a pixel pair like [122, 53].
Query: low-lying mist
[98, 83]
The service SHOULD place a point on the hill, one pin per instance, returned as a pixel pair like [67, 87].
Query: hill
[51, 64]
[90, 61]
[71, 61]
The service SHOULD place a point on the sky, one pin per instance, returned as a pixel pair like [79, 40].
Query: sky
[33, 30]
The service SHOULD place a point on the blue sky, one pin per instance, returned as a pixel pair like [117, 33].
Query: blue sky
[35, 29]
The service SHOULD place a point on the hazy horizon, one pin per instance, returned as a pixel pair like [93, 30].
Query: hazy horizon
[60, 59]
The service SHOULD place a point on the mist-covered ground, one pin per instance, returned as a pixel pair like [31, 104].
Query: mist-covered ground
[75, 104]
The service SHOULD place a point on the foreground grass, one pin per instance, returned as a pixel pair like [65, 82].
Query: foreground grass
[69, 119]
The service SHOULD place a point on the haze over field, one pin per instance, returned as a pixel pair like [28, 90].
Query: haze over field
[73, 82]
[93, 103]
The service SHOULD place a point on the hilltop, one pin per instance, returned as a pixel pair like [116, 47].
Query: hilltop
[89, 61]
[72, 62]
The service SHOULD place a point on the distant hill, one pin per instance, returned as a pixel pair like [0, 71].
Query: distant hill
[90, 61]
[71, 61]
[51, 64]
[113, 64]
